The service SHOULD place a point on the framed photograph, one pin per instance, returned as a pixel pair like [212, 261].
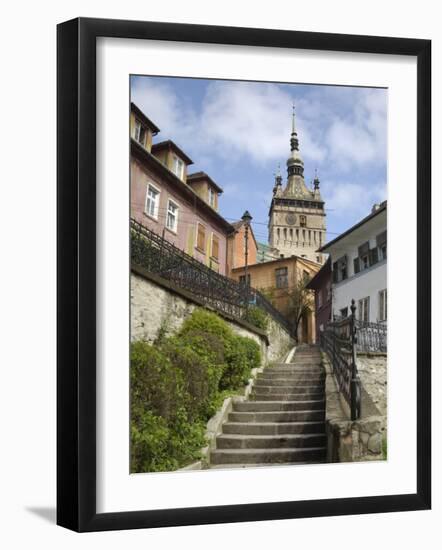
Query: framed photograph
[243, 274]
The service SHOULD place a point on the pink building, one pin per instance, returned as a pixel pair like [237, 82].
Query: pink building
[164, 198]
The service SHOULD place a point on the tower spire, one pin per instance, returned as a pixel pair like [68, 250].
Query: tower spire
[293, 118]
[278, 180]
[294, 143]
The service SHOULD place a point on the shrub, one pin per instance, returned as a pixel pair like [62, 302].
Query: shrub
[257, 317]
[178, 383]
[155, 383]
[243, 356]
[199, 382]
[162, 435]
[203, 320]
[253, 353]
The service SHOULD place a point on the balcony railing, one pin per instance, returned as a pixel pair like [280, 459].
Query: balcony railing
[371, 337]
[162, 258]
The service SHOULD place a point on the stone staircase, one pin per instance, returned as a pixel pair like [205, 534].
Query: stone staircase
[283, 422]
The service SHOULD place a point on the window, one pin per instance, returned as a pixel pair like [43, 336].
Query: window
[211, 195]
[178, 167]
[381, 243]
[242, 279]
[302, 221]
[172, 216]
[364, 309]
[340, 269]
[282, 280]
[152, 201]
[201, 237]
[344, 312]
[140, 133]
[383, 305]
[305, 276]
[319, 298]
[215, 247]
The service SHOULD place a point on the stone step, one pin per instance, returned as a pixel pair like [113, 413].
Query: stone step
[300, 374]
[278, 388]
[285, 396]
[278, 416]
[274, 406]
[292, 441]
[285, 378]
[308, 363]
[296, 369]
[273, 428]
[268, 465]
[261, 456]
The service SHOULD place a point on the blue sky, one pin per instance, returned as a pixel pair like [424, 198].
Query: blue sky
[239, 131]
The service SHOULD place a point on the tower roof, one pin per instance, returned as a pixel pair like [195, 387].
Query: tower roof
[296, 187]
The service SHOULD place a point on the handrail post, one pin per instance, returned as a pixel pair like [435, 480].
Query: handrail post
[355, 384]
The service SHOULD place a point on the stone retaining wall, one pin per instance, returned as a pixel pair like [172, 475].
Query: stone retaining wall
[157, 305]
[347, 440]
[372, 368]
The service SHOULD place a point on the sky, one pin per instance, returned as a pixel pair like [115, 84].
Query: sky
[238, 132]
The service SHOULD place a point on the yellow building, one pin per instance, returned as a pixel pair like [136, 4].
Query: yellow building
[282, 281]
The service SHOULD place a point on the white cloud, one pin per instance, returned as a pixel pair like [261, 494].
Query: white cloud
[248, 122]
[353, 198]
[359, 137]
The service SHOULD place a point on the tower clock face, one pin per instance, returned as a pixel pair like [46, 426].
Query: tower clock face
[290, 219]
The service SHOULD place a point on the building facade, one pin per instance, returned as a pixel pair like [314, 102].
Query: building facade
[278, 280]
[236, 247]
[297, 223]
[166, 199]
[321, 285]
[359, 268]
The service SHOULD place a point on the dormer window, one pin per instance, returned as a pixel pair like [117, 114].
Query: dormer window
[140, 133]
[211, 196]
[178, 167]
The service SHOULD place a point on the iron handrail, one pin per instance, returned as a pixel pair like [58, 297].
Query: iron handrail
[338, 340]
[163, 258]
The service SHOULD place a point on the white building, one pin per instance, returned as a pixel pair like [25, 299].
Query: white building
[359, 268]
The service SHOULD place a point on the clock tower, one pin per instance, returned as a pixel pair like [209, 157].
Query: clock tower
[296, 217]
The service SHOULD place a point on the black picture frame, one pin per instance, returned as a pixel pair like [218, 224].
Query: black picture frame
[76, 274]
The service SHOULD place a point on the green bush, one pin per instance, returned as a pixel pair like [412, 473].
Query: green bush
[155, 383]
[178, 383]
[200, 378]
[163, 436]
[257, 317]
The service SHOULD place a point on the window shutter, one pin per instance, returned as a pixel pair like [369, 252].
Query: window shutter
[201, 237]
[373, 256]
[356, 265]
[215, 247]
[381, 239]
[335, 272]
[363, 249]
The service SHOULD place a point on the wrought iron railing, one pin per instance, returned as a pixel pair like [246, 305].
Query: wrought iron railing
[338, 340]
[371, 337]
[160, 257]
